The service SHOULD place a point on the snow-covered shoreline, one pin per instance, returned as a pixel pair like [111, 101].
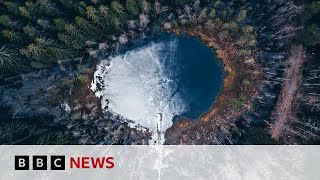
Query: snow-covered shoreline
[136, 86]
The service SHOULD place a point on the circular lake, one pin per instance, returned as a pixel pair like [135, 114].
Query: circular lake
[160, 82]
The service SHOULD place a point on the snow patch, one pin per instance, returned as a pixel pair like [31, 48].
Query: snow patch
[140, 86]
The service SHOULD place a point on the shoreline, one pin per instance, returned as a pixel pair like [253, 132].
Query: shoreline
[222, 113]
[228, 80]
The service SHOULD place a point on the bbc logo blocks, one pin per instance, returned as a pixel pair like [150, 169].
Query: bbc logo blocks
[21, 162]
[39, 162]
[58, 163]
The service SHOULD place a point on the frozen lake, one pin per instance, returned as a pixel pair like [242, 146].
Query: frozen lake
[159, 82]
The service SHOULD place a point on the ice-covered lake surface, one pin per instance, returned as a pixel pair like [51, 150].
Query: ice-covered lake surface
[158, 82]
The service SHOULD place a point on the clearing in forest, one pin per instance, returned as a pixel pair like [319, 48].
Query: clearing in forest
[292, 81]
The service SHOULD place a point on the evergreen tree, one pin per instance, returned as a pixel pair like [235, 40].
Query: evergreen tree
[7, 22]
[92, 13]
[132, 7]
[117, 8]
[24, 12]
[11, 35]
[312, 35]
[9, 59]
[30, 31]
[145, 6]
[12, 7]
[45, 6]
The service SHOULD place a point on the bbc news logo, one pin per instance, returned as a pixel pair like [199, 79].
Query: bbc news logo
[59, 162]
[40, 163]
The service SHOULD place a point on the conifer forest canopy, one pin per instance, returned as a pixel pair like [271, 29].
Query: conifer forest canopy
[135, 72]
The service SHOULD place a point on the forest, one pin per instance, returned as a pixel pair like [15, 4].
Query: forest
[39, 34]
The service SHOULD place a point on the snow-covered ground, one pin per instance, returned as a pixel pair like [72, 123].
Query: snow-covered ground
[140, 86]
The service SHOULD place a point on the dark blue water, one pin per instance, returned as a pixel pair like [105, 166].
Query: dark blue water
[175, 76]
[200, 76]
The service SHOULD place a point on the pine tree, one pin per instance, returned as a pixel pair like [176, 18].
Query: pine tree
[12, 7]
[104, 18]
[67, 3]
[202, 16]
[45, 52]
[7, 22]
[312, 35]
[45, 6]
[92, 13]
[60, 24]
[74, 37]
[242, 15]
[88, 29]
[117, 8]
[212, 13]
[30, 31]
[44, 24]
[24, 12]
[132, 7]
[11, 35]
[8, 58]
[145, 6]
